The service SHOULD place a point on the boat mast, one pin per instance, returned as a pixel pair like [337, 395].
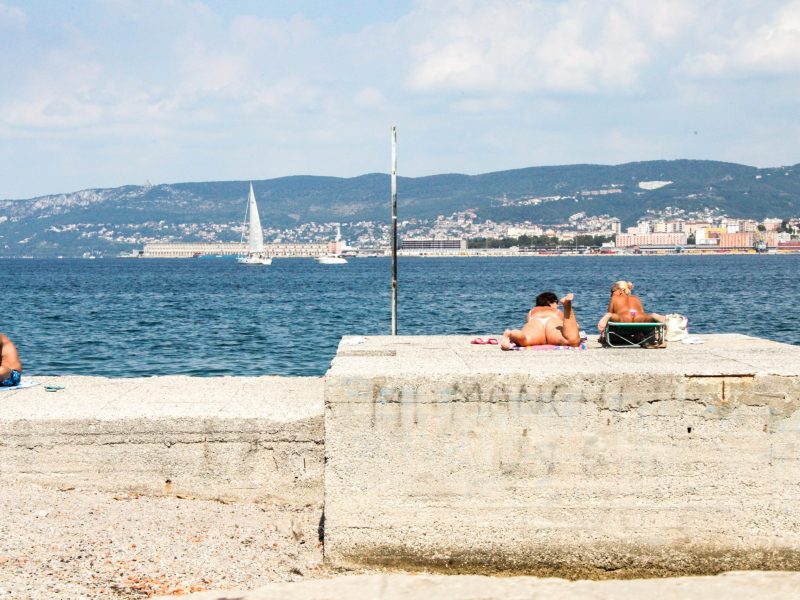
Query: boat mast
[243, 240]
[394, 230]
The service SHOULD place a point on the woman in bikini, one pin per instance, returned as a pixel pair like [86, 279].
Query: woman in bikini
[546, 325]
[624, 307]
[10, 365]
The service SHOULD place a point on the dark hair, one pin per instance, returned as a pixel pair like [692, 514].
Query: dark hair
[546, 299]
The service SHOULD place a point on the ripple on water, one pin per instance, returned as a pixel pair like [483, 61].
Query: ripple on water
[213, 317]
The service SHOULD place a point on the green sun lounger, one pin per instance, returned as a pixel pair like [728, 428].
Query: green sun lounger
[633, 335]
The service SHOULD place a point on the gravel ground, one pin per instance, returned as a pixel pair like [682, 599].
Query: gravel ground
[76, 544]
[84, 544]
[741, 585]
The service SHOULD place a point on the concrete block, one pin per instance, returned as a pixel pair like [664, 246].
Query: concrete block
[249, 438]
[443, 455]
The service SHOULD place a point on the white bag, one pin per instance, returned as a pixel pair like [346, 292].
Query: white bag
[677, 327]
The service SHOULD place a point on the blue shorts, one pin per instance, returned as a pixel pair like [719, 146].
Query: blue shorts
[12, 380]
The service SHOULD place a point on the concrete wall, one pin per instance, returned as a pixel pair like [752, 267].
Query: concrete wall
[244, 438]
[602, 463]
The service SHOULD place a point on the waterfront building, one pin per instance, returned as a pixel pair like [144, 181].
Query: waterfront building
[433, 246]
[770, 238]
[790, 246]
[529, 230]
[642, 228]
[748, 225]
[708, 235]
[189, 250]
[690, 227]
[668, 227]
[627, 240]
[731, 225]
[736, 240]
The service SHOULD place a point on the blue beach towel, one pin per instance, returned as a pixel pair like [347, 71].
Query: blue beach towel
[25, 383]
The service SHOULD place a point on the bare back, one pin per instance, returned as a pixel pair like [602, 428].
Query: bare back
[9, 357]
[628, 309]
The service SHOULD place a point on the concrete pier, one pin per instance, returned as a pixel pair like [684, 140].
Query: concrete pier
[237, 438]
[598, 463]
[440, 454]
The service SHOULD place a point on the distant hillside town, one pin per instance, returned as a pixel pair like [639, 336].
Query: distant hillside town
[462, 234]
[681, 205]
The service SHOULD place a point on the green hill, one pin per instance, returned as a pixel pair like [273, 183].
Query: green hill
[69, 223]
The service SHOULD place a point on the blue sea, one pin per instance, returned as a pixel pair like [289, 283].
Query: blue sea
[131, 318]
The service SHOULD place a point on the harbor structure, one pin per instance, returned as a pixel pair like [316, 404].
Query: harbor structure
[410, 247]
[431, 452]
[190, 250]
[440, 454]
[625, 240]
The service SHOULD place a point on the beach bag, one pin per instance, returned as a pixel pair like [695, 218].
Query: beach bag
[677, 327]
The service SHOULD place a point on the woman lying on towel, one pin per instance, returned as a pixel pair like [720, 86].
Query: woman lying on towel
[624, 307]
[546, 325]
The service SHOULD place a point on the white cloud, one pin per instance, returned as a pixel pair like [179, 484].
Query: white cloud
[370, 97]
[483, 104]
[209, 70]
[250, 30]
[191, 90]
[287, 95]
[202, 68]
[767, 42]
[540, 46]
[12, 16]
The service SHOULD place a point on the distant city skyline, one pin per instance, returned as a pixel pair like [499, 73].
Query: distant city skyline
[104, 93]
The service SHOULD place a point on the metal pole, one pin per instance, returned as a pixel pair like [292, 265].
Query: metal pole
[394, 230]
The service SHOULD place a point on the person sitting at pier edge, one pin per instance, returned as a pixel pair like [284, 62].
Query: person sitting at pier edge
[10, 365]
[546, 325]
[623, 307]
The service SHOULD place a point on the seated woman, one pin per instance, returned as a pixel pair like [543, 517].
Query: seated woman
[546, 325]
[10, 365]
[626, 308]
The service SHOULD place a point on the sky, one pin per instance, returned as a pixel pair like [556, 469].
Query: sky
[104, 93]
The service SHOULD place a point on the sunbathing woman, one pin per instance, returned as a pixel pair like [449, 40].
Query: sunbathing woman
[626, 308]
[546, 325]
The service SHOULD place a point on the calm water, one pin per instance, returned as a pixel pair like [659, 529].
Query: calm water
[124, 318]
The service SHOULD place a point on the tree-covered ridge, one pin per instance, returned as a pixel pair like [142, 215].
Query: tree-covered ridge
[542, 195]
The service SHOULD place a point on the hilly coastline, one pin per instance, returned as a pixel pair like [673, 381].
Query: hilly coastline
[108, 221]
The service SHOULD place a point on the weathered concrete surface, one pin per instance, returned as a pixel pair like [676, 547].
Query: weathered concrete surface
[730, 586]
[238, 438]
[594, 464]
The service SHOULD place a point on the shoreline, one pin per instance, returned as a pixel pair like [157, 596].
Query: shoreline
[499, 254]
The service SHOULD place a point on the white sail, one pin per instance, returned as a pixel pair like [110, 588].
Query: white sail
[255, 236]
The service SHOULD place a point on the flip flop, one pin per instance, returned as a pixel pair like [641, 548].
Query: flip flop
[489, 341]
[53, 388]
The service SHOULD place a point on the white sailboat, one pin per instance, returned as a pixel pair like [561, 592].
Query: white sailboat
[334, 256]
[255, 236]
